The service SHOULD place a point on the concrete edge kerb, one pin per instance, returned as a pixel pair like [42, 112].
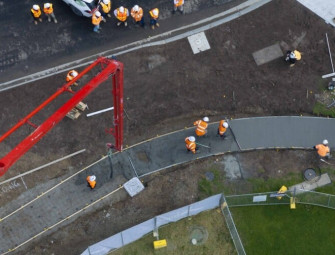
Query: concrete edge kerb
[149, 140]
[242, 9]
[166, 167]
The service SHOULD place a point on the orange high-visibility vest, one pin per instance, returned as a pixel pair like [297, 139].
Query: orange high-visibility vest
[190, 145]
[95, 20]
[322, 150]
[137, 15]
[152, 13]
[48, 10]
[70, 75]
[36, 14]
[122, 16]
[106, 7]
[178, 2]
[222, 129]
[91, 183]
[201, 127]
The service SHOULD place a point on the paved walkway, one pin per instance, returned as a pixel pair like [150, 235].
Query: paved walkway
[323, 8]
[65, 202]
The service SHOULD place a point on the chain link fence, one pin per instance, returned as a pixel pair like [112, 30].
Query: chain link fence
[224, 202]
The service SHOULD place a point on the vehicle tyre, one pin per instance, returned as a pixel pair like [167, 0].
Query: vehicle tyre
[76, 11]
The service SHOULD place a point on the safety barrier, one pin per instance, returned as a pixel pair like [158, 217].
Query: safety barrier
[266, 198]
[134, 233]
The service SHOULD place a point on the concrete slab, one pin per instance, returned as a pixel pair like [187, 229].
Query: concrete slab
[267, 54]
[152, 156]
[198, 42]
[323, 8]
[133, 186]
[311, 185]
[283, 132]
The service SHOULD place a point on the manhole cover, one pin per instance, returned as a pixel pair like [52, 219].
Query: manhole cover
[309, 174]
[198, 235]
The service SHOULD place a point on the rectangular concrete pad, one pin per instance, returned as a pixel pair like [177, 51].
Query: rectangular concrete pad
[198, 42]
[267, 54]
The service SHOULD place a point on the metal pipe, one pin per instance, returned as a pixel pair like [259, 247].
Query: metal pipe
[330, 55]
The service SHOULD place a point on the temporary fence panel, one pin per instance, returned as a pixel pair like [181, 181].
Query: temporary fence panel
[136, 232]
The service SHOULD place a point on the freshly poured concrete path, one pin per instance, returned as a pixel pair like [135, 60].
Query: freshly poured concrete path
[148, 157]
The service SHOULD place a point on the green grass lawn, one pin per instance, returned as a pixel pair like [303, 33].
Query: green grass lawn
[178, 237]
[263, 229]
[279, 230]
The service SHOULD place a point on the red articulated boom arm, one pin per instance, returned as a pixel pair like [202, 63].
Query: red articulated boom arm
[108, 68]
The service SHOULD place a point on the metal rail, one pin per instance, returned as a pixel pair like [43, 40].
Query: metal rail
[108, 67]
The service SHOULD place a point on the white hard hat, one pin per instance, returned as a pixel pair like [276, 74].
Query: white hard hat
[106, 1]
[47, 5]
[92, 178]
[121, 9]
[98, 14]
[205, 119]
[225, 124]
[191, 138]
[292, 55]
[136, 8]
[155, 12]
[325, 142]
[36, 7]
[75, 73]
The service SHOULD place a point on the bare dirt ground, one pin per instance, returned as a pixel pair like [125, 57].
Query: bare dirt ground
[167, 88]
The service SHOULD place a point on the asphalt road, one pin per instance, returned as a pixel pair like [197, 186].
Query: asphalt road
[27, 48]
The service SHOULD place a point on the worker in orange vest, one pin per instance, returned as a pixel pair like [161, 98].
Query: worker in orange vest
[323, 149]
[70, 76]
[121, 14]
[178, 5]
[91, 181]
[96, 19]
[201, 126]
[49, 11]
[137, 14]
[36, 13]
[223, 125]
[190, 144]
[154, 14]
[105, 7]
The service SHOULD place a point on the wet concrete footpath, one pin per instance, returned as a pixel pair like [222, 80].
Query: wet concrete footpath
[47, 210]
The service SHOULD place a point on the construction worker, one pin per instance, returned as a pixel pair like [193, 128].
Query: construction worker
[154, 14]
[292, 56]
[70, 76]
[91, 181]
[323, 149]
[223, 125]
[121, 14]
[96, 19]
[201, 126]
[190, 144]
[105, 7]
[137, 14]
[49, 11]
[36, 13]
[178, 5]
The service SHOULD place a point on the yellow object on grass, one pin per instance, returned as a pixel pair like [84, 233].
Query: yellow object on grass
[160, 244]
[283, 189]
[292, 202]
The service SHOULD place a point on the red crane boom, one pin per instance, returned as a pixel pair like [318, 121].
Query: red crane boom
[109, 68]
